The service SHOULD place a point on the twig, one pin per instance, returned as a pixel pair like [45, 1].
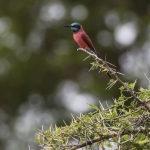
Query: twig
[144, 103]
[106, 137]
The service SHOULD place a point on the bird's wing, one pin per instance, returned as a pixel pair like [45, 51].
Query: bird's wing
[87, 40]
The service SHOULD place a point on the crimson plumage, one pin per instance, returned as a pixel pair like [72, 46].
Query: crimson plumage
[83, 40]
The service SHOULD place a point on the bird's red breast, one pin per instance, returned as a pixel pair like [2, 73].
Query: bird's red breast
[83, 40]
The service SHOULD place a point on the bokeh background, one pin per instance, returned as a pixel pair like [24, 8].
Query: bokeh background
[42, 76]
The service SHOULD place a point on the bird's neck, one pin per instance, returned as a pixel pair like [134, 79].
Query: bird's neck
[75, 32]
[79, 31]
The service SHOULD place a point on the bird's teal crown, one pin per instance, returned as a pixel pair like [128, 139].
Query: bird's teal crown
[75, 27]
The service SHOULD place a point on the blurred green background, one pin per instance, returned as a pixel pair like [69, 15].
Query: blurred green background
[42, 76]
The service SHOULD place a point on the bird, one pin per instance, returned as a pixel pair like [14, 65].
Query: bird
[82, 39]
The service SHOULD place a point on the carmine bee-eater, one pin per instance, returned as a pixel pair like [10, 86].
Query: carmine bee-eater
[81, 38]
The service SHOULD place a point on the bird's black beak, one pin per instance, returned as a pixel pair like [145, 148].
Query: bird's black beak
[68, 25]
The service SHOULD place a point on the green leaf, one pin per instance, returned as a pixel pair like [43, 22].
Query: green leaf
[93, 106]
[105, 70]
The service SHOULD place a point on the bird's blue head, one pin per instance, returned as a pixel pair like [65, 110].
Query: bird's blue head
[75, 27]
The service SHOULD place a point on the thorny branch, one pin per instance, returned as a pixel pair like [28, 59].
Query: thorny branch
[102, 138]
[115, 73]
[98, 125]
[126, 127]
[105, 137]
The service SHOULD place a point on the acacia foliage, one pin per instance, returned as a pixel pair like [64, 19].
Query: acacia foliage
[123, 125]
[118, 126]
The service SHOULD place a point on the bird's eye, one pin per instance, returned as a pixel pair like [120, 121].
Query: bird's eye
[77, 26]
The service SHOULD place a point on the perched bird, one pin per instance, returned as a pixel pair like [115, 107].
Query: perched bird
[81, 38]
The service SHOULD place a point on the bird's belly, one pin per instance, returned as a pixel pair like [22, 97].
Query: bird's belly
[80, 42]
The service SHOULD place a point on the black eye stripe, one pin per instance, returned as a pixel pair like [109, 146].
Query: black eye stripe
[77, 26]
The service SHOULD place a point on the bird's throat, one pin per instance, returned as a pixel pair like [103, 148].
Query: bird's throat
[75, 31]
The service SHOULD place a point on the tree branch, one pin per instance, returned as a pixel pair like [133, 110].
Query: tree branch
[106, 137]
[114, 72]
